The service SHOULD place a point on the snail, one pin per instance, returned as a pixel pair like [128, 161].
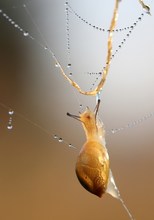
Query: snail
[93, 164]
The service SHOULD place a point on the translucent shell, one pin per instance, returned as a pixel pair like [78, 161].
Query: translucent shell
[92, 167]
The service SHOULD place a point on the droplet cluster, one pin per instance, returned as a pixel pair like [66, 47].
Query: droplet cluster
[128, 29]
[132, 28]
[10, 125]
[132, 124]
[61, 140]
[12, 22]
[26, 33]
[113, 131]
[95, 26]
[68, 34]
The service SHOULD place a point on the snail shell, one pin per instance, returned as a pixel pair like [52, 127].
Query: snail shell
[92, 167]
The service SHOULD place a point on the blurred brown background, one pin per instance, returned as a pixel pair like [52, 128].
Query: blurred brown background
[37, 178]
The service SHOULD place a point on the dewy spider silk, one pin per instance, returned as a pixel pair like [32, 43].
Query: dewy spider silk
[109, 53]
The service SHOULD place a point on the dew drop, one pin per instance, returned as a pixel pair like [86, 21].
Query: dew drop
[113, 131]
[60, 140]
[4, 15]
[55, 136]
[25, 33]
[10, 126]
[16, 26]
[69, 65]
[57, 65]
[70, 74]
[0, 10]
[10, 112]
[81, 105]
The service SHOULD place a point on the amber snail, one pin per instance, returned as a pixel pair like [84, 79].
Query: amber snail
[93, 165]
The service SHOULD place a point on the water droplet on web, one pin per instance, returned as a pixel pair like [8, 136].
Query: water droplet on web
[10, 126]
[16, 26]
[4, 15]
[25, 33]
[70, 74]
[113, 131]
[60, 140]
[55, 136]
[56, 64]
[10, 112]
[69, 65]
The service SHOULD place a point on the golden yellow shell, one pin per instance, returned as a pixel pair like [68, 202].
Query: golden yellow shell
[92, 167]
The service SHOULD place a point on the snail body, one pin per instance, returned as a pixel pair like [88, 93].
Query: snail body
[92, 166]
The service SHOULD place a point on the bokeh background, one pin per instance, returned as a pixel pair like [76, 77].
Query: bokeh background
[37, 178]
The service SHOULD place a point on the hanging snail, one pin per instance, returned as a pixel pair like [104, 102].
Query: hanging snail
[93, 164]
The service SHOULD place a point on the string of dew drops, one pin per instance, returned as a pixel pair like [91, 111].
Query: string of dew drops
[129, 29]
[12, 113]
[56, 137]
[117, 30]
[114, 131]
